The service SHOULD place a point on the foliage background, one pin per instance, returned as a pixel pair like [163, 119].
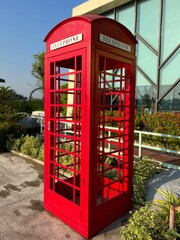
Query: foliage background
[165, 122]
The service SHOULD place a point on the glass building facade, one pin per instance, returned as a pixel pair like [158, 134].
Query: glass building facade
[155, 23]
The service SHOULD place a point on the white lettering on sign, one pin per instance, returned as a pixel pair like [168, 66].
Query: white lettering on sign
[66, 41]
[113, 42]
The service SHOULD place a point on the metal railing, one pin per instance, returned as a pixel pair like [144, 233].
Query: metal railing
[140, 144]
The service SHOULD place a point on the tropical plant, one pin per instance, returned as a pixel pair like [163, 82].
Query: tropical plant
[64, 99]
[5, 95]
[38, 72]
[8, 125]
[163, 207]
[38, 68]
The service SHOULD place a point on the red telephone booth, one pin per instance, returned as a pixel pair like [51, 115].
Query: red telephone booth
[89, 122]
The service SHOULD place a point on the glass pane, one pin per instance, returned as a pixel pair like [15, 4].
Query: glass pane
[145, 94]
[169, 73]
[148, 21]
[171, 29]
[126, 15]
[147, 61]
[113, 113]
[65, 66]
[172, 100]
[65, 128]
[109, 14]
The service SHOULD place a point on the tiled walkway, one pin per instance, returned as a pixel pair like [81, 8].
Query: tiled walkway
[22, 215]
[159, 156]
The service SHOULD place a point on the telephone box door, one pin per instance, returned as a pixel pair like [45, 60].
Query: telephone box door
[65, 89]
[114, 113]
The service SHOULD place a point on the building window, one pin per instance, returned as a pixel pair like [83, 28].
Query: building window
[109, 14]
[145, 94]
[155, 24]
[170, 28]
[126, 16]
[169, 73]
[171, 102]
[148, 21]
[147, 61]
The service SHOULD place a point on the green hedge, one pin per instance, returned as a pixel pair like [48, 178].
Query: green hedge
[3, 138]
[8, 125]
[9, 132]
[144, 170]
[153, 223]
[166, 123]
[29, 145]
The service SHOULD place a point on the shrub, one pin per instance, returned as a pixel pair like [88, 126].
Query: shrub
[41, 153]
[149, 224]
[144, 169]
[9, 128]
[3, 137]
[8, 133]
[30, 146]
[16, 145]
[67, 159]
[142, 225]
[165, 123]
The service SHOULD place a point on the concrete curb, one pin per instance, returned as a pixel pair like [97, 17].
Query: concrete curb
[27, 157]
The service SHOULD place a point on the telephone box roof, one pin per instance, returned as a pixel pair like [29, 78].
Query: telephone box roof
[92, 19]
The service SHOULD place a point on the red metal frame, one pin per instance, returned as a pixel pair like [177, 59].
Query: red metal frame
[89, 112]
[64, 150]
[112, 166]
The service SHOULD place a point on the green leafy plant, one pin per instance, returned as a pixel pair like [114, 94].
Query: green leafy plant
[165, 123]
[144, 169]
[143, 225]
[149, 223]
[41, 153]
[8, 125]
[30, 146]
[16, 145]
[66, 159]
[163, 207]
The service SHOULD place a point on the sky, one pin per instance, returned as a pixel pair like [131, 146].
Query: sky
[23, 27]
